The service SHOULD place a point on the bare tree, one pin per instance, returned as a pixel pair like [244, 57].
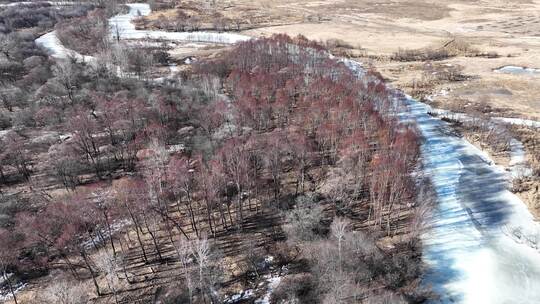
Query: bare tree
[66, 75]
[9, 45]
[109, 266]
[200, 248]
[10, 96]
[208, 271]
[183, 250]
[339, 228]
[66, 292]
[303, 221]
[8, 256]
[425, 201]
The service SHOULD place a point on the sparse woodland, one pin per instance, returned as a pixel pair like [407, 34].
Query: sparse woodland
[270, 161]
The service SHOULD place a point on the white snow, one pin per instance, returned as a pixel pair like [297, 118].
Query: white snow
[5, 294]
[273, 282]
[3, 280]
[242, 296]
[463, 117]
[97, 240]
[518, 164]
[519, 122]
[173, 70]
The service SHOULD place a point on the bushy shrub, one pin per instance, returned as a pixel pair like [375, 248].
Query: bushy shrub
[161, 57]
[86, 35]
[5, 121]
[41, 15]
[304, 221]
[299, 288]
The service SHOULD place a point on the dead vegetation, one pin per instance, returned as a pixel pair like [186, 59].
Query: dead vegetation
[434, 74]
[492, 138]
[528, 188]
[211, 15]
[454, 47]
[420, 54]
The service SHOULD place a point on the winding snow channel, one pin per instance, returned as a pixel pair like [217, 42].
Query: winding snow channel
[472, 255]
[472, 252]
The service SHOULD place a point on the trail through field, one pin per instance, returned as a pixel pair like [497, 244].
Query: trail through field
[481, 245]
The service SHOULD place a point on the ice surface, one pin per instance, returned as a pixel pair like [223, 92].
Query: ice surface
[510, 69]
[56, 49]
[471, 259]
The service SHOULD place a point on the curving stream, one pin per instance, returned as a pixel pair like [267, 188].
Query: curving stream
[472, 252]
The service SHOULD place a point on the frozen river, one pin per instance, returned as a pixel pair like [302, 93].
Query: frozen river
[472, 253]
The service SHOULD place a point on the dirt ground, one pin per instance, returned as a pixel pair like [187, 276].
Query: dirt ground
[378, 28]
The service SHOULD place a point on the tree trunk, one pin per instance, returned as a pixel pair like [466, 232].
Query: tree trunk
[192, 216]
[208, 215]
[137, 231]
[230, 215]
[11, 290]
[154, 240]
[92, 273]
[110, 231]
[222, 215]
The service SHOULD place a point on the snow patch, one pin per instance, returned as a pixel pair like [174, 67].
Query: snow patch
[273, 282]
[519, 122]
[102, 237]
[5, 293]
[518, 164]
